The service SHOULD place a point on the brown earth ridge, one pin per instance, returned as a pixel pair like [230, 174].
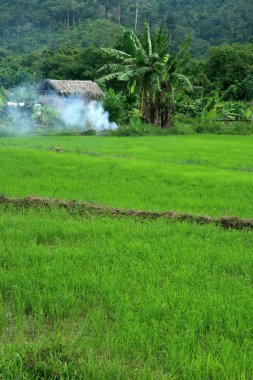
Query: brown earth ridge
[226, 222]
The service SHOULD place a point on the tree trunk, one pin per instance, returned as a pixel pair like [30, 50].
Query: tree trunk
[157, 112]
[167, 106]
[119, 13]
[68, 14]
[145, 105]
[137, 6]
[147, 111]
[18, 30]
[167, 120]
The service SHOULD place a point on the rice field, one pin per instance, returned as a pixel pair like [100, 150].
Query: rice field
[99, 297]
[200, 174]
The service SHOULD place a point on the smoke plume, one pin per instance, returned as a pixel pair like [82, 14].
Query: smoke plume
[25, 112]
[83, 114]
[15, 111]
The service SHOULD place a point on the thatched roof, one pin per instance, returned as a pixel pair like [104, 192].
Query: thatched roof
[73, 88]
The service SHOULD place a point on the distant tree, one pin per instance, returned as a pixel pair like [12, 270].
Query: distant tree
[245, 88]
[70, 63]
[230, 64]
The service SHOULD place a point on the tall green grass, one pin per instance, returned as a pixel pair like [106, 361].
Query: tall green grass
[101, 298]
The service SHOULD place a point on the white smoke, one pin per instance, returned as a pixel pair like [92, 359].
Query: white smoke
[15, 111]
[23, 108]
[83, 114]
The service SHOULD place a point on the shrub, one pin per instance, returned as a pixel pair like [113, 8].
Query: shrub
[46, 116]
[137, 127]
[115, 105]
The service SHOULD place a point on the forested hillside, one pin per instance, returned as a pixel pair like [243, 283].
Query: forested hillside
[27, 25]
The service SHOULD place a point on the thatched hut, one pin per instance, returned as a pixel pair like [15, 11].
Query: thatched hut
[50, 89]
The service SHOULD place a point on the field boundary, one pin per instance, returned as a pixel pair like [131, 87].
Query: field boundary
[226, 222]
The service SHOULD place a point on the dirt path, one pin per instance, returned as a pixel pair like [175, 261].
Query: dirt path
[226, 222]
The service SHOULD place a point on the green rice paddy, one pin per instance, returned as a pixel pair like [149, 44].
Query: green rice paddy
[93, 297]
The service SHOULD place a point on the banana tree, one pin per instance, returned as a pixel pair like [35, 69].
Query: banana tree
[154, 69]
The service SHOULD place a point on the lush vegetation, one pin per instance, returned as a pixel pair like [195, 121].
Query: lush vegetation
[88, 296]
[32, 25]
[153, 70]
[102, 298]
[219, 99]
[146, 77]
[151, 74]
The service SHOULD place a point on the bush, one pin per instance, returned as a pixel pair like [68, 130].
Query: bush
[137, 127]
[115, 105]
[46, 116]
[231, 128]
[246, 88]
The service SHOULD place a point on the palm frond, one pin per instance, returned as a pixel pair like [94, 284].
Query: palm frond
[141, 71]
[154, 56]
[184, 46]
[109, 77]
[134, 45]
[112, 67]
[182, 62]
[121, 55]
[126, 76]
[130, 61]
[161, 44]
[160, 66]
[184, 79]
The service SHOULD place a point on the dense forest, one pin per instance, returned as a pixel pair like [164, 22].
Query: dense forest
[27, 25]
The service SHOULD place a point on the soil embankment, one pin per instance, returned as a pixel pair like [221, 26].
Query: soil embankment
[226, 222]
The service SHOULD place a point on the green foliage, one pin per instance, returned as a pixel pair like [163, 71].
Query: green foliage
[148, 63]
[221, 128]
[4, 95]
[66, 47]
[214, 108]
[230, 65]
[115, 104]
[46, 116]
[63, 63]
[14, 69]
[228, 69]
[34, 25]
[245, 88]
[135, 127]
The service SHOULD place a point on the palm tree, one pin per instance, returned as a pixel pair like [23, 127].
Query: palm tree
[155, 71]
